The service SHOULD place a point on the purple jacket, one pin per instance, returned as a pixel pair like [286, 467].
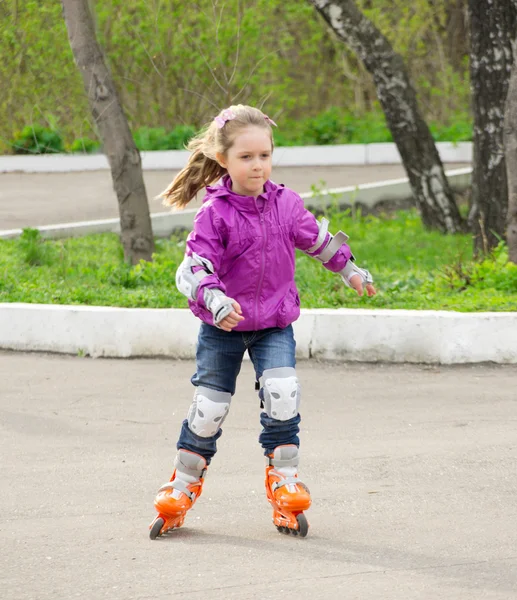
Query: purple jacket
[251, 244]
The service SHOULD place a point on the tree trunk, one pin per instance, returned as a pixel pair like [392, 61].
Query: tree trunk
[434, 198]
[492, 30]
[510, 155]
[456, 28]
[119, 146]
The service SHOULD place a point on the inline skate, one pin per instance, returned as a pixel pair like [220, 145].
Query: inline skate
[288, 496]
[178, 496]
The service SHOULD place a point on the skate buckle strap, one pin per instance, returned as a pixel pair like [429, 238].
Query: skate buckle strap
[333, 246]
[182, 468]
[288, 481]
[322, 234]
[178, 484]
[278, 463]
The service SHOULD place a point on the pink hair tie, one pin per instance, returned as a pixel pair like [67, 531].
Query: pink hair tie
[270, 121]
[224, 117]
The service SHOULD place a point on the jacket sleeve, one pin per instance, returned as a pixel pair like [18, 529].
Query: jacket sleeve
[313, 238]
[205, 244]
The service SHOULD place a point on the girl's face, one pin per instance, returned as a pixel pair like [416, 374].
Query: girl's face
[248, 161]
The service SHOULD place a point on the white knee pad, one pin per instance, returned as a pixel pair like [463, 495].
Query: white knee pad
[281, 393]
[208, 411]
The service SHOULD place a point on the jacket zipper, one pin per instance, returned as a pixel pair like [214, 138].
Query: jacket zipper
[262, 264]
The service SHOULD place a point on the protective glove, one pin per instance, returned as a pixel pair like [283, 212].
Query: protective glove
[352, 269]
[218, 304]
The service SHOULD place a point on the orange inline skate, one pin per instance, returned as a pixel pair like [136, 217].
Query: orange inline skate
[178, 496]
[288, 496]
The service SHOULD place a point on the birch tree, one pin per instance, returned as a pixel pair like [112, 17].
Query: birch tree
[431, 190]
[492, 31]
[110, 120]
[510, 153]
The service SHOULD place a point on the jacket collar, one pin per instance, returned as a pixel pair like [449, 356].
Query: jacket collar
[223, 189]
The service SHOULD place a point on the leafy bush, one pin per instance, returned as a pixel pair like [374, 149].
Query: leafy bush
[457, 129]
[36, 139]
[491, 272]
[85, 145]
[335, 126]
[495, 272]
[330, 127]
[32, 248]
[327, 128]
[157, 138]
[368, 129]
[180, 136]
[151, 138]
[338, 127]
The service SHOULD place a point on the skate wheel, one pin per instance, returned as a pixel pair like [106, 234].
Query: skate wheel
[303, 525]
[156, 527]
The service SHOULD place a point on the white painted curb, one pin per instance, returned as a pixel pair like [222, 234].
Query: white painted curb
[284, 156]
[367, 194]
[345, 334]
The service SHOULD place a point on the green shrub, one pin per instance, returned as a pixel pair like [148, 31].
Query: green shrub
[180, 136]
[36, 139]
[285, 139]
[157, 138]
[332, 126]
[151, 138]
[85, 145]
[335, 126]
[33, 249]
[492, 272]
[370, 128]
[458, 129]
[327, 128]
[495, 272]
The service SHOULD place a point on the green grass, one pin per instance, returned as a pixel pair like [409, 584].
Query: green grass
[412, 268]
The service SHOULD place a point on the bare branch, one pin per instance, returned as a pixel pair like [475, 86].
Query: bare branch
[239, 16]
[147, 52]
[273, 52]
[225, 91]
[219, 20]
[264, 99]
[201, 96]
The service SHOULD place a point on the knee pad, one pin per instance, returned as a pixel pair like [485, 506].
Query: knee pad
[208, 411]
[281, 391]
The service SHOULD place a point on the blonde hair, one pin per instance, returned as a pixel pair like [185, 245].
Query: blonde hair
[202, 168]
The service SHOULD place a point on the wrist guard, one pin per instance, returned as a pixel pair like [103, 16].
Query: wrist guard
[218, 304]
[352, 269]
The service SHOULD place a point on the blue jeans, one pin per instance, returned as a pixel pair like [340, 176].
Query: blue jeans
[219, 357]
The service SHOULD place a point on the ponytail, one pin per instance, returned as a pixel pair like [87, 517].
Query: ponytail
[200, 172]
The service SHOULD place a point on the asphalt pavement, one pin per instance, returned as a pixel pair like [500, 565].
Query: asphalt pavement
[33, 199]
[411, 468]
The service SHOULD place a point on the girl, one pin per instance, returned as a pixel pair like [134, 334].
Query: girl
[238, 276]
